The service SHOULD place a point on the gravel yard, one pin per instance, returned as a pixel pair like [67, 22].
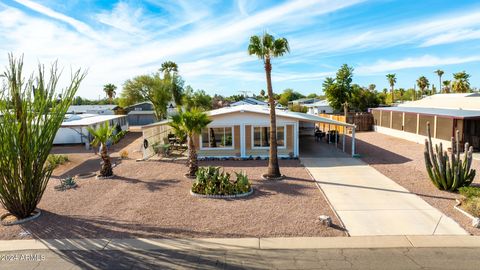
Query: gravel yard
[403, 162]
[151, 199]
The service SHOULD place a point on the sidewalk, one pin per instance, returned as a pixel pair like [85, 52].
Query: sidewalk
[370, 203]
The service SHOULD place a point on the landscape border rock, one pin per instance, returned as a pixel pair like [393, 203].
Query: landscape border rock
[234, 196]
[475, 220]
[21, 221]
[85, 175]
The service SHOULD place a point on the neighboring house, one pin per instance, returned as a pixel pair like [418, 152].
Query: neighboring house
[252, 101]
[93, 109]
[445, 112]
[140, 114]
[303, 101]
[243, 131]
[143, 113]
[318, 107]
[74, 128]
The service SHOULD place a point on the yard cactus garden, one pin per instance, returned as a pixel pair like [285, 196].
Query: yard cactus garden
[211, 182]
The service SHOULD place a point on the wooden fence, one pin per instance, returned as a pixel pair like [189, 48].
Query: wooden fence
[363, 121]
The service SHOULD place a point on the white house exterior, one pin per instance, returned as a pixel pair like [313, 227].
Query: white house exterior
[242, 131]
[92, 109]
[74, 128]
[318, 107]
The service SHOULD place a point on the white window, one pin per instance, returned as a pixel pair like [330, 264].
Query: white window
[217, 137]
[261, 136]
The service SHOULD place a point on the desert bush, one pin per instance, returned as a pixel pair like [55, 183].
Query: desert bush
[211, 181]
[56, 160]
[471, 200]
[124, 154]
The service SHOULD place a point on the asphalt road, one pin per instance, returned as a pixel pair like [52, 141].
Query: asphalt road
[387, 258]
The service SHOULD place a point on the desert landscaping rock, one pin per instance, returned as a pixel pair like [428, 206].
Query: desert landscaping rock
[4, 216]
[234, 196]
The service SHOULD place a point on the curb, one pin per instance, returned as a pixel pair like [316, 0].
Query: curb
[355, 242]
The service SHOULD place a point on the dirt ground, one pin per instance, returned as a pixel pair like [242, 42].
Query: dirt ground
[151, 199]
[403, 162]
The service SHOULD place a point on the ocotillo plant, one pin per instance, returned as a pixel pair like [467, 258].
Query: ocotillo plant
[448, 172]
[31, 115]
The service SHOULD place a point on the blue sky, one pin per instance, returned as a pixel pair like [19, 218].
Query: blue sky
[208, 40]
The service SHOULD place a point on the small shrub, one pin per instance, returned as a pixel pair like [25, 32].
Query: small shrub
[56, 160]
[66, 183]
[469, 192]
[124, 154]
[211, 181]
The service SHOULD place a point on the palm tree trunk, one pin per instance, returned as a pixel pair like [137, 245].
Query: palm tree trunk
[440, 84]
[192, 157]
[393, 94]
[106, 170]
[273, 168]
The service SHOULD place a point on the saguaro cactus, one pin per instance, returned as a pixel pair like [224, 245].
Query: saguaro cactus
[448, 172]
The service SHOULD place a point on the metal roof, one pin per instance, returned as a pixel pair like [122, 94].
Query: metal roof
[321, 103]
[266, 110]
[141, 112]
[454, 113]
[467, 101]
[85, 108]
[87, 119]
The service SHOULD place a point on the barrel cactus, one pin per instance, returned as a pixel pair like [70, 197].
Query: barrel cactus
[448, 172]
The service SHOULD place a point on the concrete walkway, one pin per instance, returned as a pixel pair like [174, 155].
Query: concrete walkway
[369, 203]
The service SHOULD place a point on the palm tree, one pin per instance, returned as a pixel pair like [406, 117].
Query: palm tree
[102, 135]
[446, 86]
[461, 83]
[266, 47]
[31, 115]
[109, 90]
[168, 67]
[191, 123]
[392, 79]
[422, 83]
[440, 74]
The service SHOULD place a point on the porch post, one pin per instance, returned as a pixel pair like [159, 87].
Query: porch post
[343, 139]
[353, 141]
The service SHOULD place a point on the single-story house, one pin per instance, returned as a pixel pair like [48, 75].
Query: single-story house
[73, 130]
[140, 114]
[445, 112]
[93, 109]
[253, 101]
[318, 107]
[243, 131]
[303, 101]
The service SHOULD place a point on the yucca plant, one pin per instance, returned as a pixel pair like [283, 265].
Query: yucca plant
[101, 136]
[448, 172]
[31, 113]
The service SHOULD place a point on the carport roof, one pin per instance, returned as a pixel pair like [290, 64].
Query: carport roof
[453, 113]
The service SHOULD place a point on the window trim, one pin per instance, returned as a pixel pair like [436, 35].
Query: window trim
[218, 148]
[268, 147]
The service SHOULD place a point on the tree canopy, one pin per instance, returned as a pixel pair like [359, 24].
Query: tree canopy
[338, 90]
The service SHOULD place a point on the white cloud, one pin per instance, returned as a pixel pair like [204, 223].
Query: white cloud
[123, 18]
[382, 66]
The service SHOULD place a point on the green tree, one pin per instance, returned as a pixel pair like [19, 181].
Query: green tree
[312, 95]
[101, 136]
[191, 123]
[423, 83]
[262, 93]
[461, 82]
[169, 67]
[372, 87]
[31, 117]
[339, 90]
[265, 48]
[197, 99]
[109, 90]
[440, 73]
[392, 79]
[289, 95]
[363, 99]
[446, 86]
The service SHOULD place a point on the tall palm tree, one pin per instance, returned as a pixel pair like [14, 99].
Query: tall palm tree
[101, 136]
[446, 86]
[392, 79]
[109, 90]
[168, 67]
[440, 74]
[461, 83]
[191, 123]
[423, 83]
[266, 47]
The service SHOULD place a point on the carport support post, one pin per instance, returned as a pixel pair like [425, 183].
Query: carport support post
[343, 139]
[353, 141]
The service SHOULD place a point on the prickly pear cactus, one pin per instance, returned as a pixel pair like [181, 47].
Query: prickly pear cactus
[448, 172]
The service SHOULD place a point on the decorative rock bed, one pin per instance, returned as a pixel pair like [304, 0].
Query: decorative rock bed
[36, 213]
[104, 177]
[234, 196]
[84, 175]
[273, 178]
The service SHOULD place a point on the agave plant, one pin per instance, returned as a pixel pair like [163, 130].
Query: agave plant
[448, 172]
[101, 136]
[31, 115]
